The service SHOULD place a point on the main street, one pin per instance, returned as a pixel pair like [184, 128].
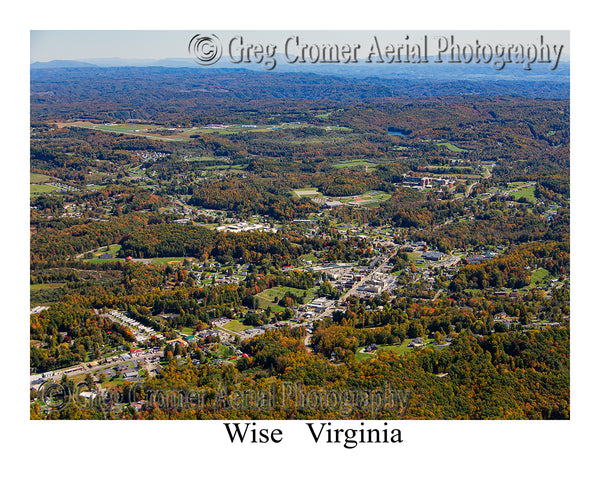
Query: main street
[354, 290]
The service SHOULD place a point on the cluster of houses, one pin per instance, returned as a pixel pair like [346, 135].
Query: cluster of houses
[151, 156]
[141, 332]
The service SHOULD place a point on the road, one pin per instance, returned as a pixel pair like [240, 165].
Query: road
[487, 174]
[110, 363]
[329, 310]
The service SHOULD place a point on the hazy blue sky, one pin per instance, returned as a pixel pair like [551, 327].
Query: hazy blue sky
[84, 44]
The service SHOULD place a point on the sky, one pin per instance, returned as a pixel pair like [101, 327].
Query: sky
[47, 45]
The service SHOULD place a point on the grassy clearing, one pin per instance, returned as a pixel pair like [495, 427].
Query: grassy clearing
[187, 330]
[267, 297]
[359, 162]
[539, 276]
[327, 114]
[235, 326]
[206, 158]
[452, 148]
[46, 286]
[412, 256]
[34, 189]
[114, 382]
[225, 167]
[126, 127]
[166, 260]
[38, 178]
[528, 193]
[112, 249]
[96, 187]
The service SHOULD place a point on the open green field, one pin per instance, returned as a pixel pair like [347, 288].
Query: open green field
[38, 178]
[220, 351]
[327, 114]
[205, 158]
[36, 287]
[358, 162]
[34, 188]
[528, 193]
[412, 256]
[451, 147]
[126, 127]
[235, 326]
[539, 276]
[113, 249]
[166, 260]
[225, 167]
[187, 330]
[267, 297]
[113, 382]
[309, 257]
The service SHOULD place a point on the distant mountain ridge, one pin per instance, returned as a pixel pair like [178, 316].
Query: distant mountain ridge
[62, 64]
[424, 71]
